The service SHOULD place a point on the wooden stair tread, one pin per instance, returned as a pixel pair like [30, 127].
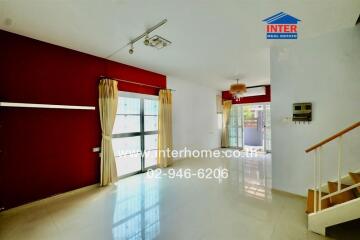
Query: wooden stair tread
[342, 197]
[355, 177]
[310, 201]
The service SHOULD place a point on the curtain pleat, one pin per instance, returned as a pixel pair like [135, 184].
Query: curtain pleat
[108, 101]
[165, 128]
[225, 131]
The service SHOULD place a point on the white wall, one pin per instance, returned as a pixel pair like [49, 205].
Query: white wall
[326, 72]
[194, 115]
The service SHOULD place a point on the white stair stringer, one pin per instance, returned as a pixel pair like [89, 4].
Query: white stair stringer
[318, 222]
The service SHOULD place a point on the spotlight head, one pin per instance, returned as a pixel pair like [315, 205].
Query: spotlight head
[147, 41]
[131, 50]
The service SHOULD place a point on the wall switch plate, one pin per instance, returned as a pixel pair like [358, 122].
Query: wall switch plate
[96, 149]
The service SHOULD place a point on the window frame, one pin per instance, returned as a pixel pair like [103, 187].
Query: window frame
[142, 133]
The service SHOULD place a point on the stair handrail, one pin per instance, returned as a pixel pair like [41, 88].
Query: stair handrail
[329, 139]
[317, 148]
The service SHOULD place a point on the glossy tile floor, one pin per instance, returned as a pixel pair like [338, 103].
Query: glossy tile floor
[139, 207]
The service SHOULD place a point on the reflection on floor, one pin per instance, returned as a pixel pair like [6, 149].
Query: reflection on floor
[136, 212]
[139, 207]
[253, 149]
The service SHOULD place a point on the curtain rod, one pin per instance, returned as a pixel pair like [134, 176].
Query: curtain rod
[136, 83]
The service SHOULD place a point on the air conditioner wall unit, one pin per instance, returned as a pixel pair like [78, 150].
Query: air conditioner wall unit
[255, 91]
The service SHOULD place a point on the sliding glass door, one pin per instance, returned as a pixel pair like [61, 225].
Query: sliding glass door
[150, 117]
[250, 127]
[135, 133]
[267, 126]
[235, 126]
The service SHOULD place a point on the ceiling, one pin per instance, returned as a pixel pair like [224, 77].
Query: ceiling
[213, 41]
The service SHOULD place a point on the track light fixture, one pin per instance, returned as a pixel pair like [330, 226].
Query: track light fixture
[154, 41]
[147, 41]
[131, 50]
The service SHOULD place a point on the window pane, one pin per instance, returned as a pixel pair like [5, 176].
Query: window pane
[151, 142]
[151, 123]
[240, 136]
[151, 107]
[128, 164]
[232, 142]
[127, 145]
[232, 132]
[128, 105]
[267, 128]
[127, 150]
[235, 126]
[126, 124]
[150, 158]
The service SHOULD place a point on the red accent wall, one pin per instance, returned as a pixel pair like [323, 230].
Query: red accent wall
[47, 151]
[226, 95]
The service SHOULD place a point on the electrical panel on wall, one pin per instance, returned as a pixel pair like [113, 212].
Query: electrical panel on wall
[302, 112]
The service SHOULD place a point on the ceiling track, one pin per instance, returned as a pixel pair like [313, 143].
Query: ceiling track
[147, 32]
[132, 41]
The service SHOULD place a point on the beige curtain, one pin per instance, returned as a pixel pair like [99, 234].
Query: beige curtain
[225, 124]
[108, 100]
[165, 128]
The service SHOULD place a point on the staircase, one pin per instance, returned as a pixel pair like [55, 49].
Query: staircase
[336, 202]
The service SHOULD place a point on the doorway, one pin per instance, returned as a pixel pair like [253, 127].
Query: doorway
[250, 127]
[135, 133]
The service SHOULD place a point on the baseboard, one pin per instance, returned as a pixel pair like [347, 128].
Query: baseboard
[51, 198]
[287, 193]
